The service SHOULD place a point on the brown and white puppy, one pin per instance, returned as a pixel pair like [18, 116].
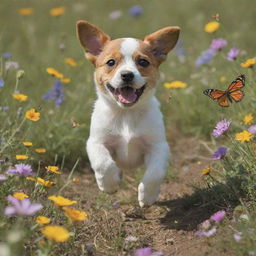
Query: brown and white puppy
[127, 127]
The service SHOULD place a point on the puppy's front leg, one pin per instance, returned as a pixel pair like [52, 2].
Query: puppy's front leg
[106, 172]
[156, 162]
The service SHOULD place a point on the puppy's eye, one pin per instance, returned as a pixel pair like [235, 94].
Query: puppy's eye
[111, 63]
[144, 63]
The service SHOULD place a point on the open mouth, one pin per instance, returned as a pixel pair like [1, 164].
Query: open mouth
[126, 95]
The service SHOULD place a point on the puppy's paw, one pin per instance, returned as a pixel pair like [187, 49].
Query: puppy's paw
[147, 195]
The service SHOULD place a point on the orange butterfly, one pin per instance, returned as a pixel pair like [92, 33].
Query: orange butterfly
[234, 92]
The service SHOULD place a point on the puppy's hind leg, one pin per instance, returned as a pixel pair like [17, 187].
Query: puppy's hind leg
[107, 174]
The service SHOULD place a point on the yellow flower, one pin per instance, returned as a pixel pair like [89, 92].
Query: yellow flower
[76, 180]
[20, 195]
[175, 84]
[205, 171]
[55, 12]
[249, 63]
[211, 26]
[42, 220]
[21, 157]
[45, 183]
[53, 168]
[27, 143]
[56, 233]
[32, 115]
[20, 97]
[61, 201]
[244, 136]
[30, 178]
[223, 79]
[40, 150]
[248, 119]
[26, 11]
[65, 80]
[55, 73]
[71, 62]
[75, 215]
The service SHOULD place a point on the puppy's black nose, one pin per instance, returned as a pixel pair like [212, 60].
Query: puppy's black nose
[127, 76]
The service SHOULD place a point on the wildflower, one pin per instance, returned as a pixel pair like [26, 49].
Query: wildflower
[45, 183]
[42, 220]
[54, 72]
[221, 127]
[61, 201]
[219, 153]
[21, 169]
[249, 63]
[56, 93]
[20, 97]
[21, 157]
[218, 216]
[211, 26]
[248, 119]
[223, 79]
[6, 55]
[218, 44]
[20, 73]
[206, 225]
[26, 11]
[27, 144]
[56, 233]
[2, 177]
[11, 65]
[232, 54]
[40, 150]
[208, 233]
[252, 129]
[31, 178]
[205, 171]
[135, 11]
[65, 80]
[175, 84]
[21, 207]
[244, 136]
[205, 57]
[53, 168]
[237, 237]
[32, 115]
[115, 14]
[1, 83]
[20, 195]
[147, 252]
[75, 215]
[116, 204]
[55, 12]
[71, 62]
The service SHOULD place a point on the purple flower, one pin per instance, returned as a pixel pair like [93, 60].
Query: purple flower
[205, 57]
[208, 233]
[206, 224]
[21, 169]
[232, 54]
[218, 44]
[21, 207]
[115, 14]
[56, 93]
[221, 127]
[218, 216]
[143, 252]
[1, 83]
[252, 129]
[135, 11]
[115, 204]
[237, 236]
[2, 177]
[219, 153]
[6, 55]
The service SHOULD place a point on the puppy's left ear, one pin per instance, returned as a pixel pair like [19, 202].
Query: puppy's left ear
[162, 41]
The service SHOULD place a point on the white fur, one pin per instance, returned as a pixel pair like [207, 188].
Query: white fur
[127, 49]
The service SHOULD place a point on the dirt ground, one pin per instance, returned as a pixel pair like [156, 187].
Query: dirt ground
[169, 225]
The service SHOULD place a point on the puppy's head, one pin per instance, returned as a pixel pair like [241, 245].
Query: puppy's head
[126, 69]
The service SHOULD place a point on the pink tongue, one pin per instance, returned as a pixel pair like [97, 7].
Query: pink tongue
[127, 96]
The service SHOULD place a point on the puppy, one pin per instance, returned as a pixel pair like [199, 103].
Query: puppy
[127, 128]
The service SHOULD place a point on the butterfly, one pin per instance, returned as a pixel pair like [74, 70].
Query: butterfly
[233, 93]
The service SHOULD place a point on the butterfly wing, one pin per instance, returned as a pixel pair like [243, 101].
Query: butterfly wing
[214, 93]
[223, 101]
[236, 95]
[237, 84]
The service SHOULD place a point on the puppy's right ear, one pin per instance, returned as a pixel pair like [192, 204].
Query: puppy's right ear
[92, 39]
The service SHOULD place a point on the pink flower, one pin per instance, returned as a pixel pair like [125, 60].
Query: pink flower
[208, 233]
[218, 216]
[218, 44]
[232, 54]
[221, 127]
[21, 169]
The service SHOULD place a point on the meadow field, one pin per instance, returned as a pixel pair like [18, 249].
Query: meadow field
[49, 200]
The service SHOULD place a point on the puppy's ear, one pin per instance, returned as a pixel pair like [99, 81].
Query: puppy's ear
[91, 38]
[162, 41]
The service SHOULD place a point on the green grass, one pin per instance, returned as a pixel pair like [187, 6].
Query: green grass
[34, 41]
